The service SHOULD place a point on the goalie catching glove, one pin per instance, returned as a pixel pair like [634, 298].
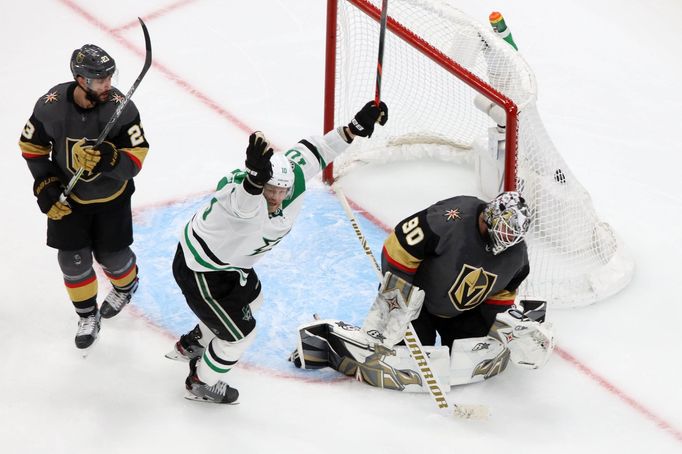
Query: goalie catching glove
[530, 343]
[95, 159]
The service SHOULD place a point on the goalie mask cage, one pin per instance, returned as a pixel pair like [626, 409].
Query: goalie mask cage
[436, 62]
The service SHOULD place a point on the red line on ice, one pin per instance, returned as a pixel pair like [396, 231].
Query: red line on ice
[207, 101]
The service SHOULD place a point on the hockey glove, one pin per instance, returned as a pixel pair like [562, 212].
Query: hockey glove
[47, 191]
[363, 123]
[103, 158]
[530, 343]
[258, 168]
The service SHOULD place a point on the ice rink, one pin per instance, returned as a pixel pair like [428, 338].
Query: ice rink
[608, 74]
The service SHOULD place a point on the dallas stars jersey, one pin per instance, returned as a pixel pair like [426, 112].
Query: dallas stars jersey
[57, 123]
[441, 250]
[234, 229]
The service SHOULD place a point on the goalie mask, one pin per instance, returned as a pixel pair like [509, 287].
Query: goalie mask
[282, 171]
[508, 220]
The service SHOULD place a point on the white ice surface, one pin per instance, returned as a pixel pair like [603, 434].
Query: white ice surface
[609, 75]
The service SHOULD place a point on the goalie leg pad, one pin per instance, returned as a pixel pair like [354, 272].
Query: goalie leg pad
[347, 349]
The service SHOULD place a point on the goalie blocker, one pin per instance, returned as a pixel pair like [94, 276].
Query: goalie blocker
[518, 334]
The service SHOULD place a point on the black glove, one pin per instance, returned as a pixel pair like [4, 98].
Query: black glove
[363, 123]
[102, 158]
[48, 190]
[258, 168]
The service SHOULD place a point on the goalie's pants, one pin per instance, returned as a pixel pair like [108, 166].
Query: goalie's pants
[218, 299]
[475, 322]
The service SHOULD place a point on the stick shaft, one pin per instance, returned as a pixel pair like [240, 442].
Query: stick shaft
[380, 57]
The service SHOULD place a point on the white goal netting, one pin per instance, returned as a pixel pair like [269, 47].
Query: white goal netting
[576, 258]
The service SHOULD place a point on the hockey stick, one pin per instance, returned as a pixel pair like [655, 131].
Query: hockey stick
[112, 121]
[414, 346]
[380, 58]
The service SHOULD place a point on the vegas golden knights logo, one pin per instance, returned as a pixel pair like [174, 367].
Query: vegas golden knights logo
[471, 287]
[70, 161]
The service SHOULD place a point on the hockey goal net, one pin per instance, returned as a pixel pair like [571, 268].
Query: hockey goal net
[437, 62]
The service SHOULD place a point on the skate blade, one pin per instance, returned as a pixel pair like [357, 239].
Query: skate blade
[190, 396]
[176, 356]
[84, 352]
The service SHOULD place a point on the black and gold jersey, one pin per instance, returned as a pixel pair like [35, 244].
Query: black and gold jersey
[57, 123]
[441, 250]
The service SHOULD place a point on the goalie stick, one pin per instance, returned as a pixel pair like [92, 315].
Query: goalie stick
[112, 121]
[414, 346]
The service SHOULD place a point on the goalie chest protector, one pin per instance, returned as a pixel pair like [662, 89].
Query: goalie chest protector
[462, 272]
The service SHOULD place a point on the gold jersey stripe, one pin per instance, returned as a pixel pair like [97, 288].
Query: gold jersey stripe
[137, 154]
[29, 150]
[399, 255]
[103, 199]
[503, 297]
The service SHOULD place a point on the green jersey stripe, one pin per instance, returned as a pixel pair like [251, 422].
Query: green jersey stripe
[213, 366]
[215, 307]
[203, 262]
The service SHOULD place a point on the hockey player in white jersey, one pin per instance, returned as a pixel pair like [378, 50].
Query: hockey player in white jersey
[249, 214]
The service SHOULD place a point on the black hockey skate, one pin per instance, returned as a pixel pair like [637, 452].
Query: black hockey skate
[117, 298]
[188, 347]
[220, 393]
[88, 329]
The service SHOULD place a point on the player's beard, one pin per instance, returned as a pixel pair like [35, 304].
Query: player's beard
[95, 98]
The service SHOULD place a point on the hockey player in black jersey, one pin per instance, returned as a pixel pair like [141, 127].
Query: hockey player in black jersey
[454, 269]
[96, 219]
[251, 211]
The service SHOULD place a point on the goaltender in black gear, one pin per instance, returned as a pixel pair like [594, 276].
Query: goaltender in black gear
[453, 269]
[96, 219]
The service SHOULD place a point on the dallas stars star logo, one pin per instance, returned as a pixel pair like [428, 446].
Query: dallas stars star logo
[118, 99]
[269, 244]
[392, 303]
[50, 97]
[452, 214]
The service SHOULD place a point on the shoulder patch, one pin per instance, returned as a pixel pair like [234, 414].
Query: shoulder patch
[452, 214]
[51, 97]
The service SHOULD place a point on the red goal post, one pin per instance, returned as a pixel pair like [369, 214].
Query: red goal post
[439, 69]
[434, 54]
